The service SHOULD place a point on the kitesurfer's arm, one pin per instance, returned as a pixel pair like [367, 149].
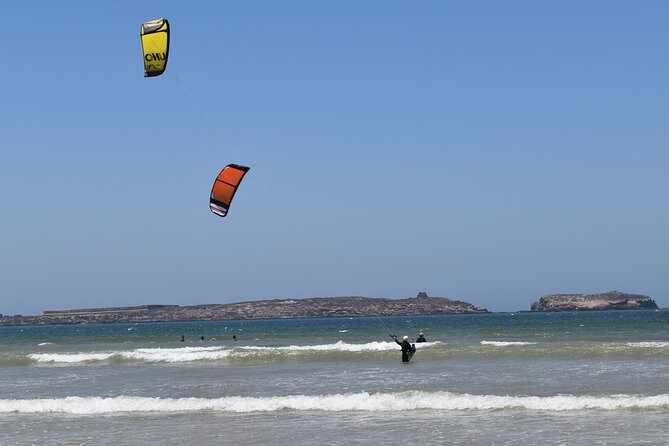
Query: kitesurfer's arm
[395, 338]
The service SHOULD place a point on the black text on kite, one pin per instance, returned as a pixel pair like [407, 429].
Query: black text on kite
[155, 46]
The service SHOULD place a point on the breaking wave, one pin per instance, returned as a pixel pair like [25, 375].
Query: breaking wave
[366, 402]
[347, 351]
[189, 354]
[185, 354]
[651, 344]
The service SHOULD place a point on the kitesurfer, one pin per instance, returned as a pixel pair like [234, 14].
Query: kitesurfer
[421, 337]
[407, 348]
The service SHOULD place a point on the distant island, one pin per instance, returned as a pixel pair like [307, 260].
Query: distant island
[263, 309]
[613, 300]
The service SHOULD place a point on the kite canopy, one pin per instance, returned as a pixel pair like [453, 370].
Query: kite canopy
[225, 187]
[155, 46]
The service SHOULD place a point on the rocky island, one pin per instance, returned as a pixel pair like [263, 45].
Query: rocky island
[613, 300]
[262, 309]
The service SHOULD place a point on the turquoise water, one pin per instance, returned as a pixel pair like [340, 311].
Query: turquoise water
[528, 378]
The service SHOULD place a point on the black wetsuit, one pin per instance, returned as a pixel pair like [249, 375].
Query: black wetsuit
[421, 338]
[406, 350]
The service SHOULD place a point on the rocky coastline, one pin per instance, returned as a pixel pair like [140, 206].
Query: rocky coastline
[351, 306]
[613, 300]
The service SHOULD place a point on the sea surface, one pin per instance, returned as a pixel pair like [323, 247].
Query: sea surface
[585, 378]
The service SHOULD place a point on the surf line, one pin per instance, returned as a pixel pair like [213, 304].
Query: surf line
[363, 401]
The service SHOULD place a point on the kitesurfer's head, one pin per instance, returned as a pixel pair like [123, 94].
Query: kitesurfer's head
[406, 338]
[421, 333]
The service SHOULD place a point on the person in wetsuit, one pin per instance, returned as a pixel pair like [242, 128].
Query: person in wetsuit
[421, 337]
[407, 351]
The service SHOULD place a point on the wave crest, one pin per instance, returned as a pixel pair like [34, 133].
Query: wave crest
[189, 354]
[380, 402]
[185, 354]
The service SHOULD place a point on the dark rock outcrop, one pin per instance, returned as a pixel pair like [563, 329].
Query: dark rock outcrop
[263, 309]
[613, 300]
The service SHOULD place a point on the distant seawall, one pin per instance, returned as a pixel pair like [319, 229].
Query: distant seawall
[83, 311]
[350, 306]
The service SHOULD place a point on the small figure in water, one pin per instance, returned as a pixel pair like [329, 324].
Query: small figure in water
[234, 338]
[183, 338]
[201, 338]
[421, 338]
[407, 349]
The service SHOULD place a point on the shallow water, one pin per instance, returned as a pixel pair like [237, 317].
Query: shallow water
[526, 378]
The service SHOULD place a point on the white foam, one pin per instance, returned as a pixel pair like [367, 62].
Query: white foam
[188, 354]
[380, 402]
[339, 346]
[184, 354]
[506, 343]
[70, 358]
[651, 344]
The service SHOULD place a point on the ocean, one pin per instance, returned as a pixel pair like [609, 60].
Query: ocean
[581, 378]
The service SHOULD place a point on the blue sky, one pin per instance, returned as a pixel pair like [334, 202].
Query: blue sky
[486, 151]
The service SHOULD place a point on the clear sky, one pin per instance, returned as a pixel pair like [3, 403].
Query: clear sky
[486, 151]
